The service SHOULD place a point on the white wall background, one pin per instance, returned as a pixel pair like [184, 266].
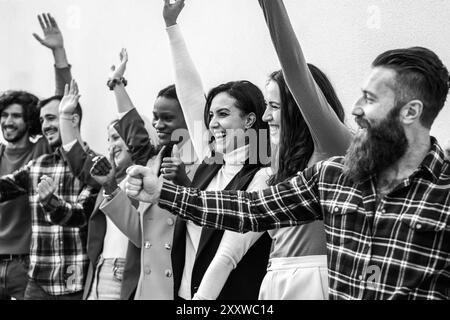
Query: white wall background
[228, 41]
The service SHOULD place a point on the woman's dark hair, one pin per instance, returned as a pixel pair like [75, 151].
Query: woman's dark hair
[249, 98]
[168, 92]
[296, 144]
[29, 103]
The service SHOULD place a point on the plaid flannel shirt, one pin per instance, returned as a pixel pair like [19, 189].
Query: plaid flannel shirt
[398, 249]
[58, 259]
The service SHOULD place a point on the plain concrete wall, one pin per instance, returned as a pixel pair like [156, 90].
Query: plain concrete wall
[228, 41]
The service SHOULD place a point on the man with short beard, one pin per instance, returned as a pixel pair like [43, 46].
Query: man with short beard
[386, 204]
[19, 122]
[60, 204]
[21, 129]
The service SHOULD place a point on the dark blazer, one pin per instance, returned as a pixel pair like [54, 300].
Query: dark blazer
[244, 281]
[96, 235]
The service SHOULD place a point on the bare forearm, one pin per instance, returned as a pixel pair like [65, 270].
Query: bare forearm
[68, 132]
[60, 57]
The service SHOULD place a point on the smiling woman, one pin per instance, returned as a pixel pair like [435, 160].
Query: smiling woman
[118, 148]
[167, 115]
[232, 114]
[231, 110]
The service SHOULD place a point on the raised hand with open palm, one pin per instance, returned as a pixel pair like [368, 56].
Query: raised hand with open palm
[53, 38]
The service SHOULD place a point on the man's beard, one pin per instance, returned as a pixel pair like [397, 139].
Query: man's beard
[375, 148]
[19, 135]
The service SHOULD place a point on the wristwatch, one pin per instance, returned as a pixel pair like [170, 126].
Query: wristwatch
[113, 82]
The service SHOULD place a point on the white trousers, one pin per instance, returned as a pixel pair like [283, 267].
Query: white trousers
[296, 278]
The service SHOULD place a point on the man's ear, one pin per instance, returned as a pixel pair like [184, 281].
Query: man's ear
[411, 112]
[250, 121]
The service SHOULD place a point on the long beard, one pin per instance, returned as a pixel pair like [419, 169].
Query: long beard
[375, 148]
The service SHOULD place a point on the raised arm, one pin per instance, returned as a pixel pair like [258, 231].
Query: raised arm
[130, 127]
[68, 120]
[187, 80]
[77, 154]
[53, 39]
[117, 83]
[331, 137]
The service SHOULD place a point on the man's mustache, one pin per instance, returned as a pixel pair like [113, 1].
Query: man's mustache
[362, 122]
[50, 129]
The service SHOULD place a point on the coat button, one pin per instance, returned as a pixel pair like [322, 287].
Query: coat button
[147, 245]
[418, 226]
[147, 270]
[168, 273]
[336, 209]
[168, 246]
[170, 222]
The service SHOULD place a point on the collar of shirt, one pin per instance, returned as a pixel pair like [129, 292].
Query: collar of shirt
[237, 157]
[433, 161]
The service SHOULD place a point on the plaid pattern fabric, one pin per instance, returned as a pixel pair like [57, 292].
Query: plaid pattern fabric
[58, 259]
[398, 249]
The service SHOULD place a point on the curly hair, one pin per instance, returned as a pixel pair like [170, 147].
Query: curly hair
[29, 103]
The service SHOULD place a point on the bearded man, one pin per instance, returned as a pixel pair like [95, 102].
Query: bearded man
[21, 129]
[19, 122]
[386, 204]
